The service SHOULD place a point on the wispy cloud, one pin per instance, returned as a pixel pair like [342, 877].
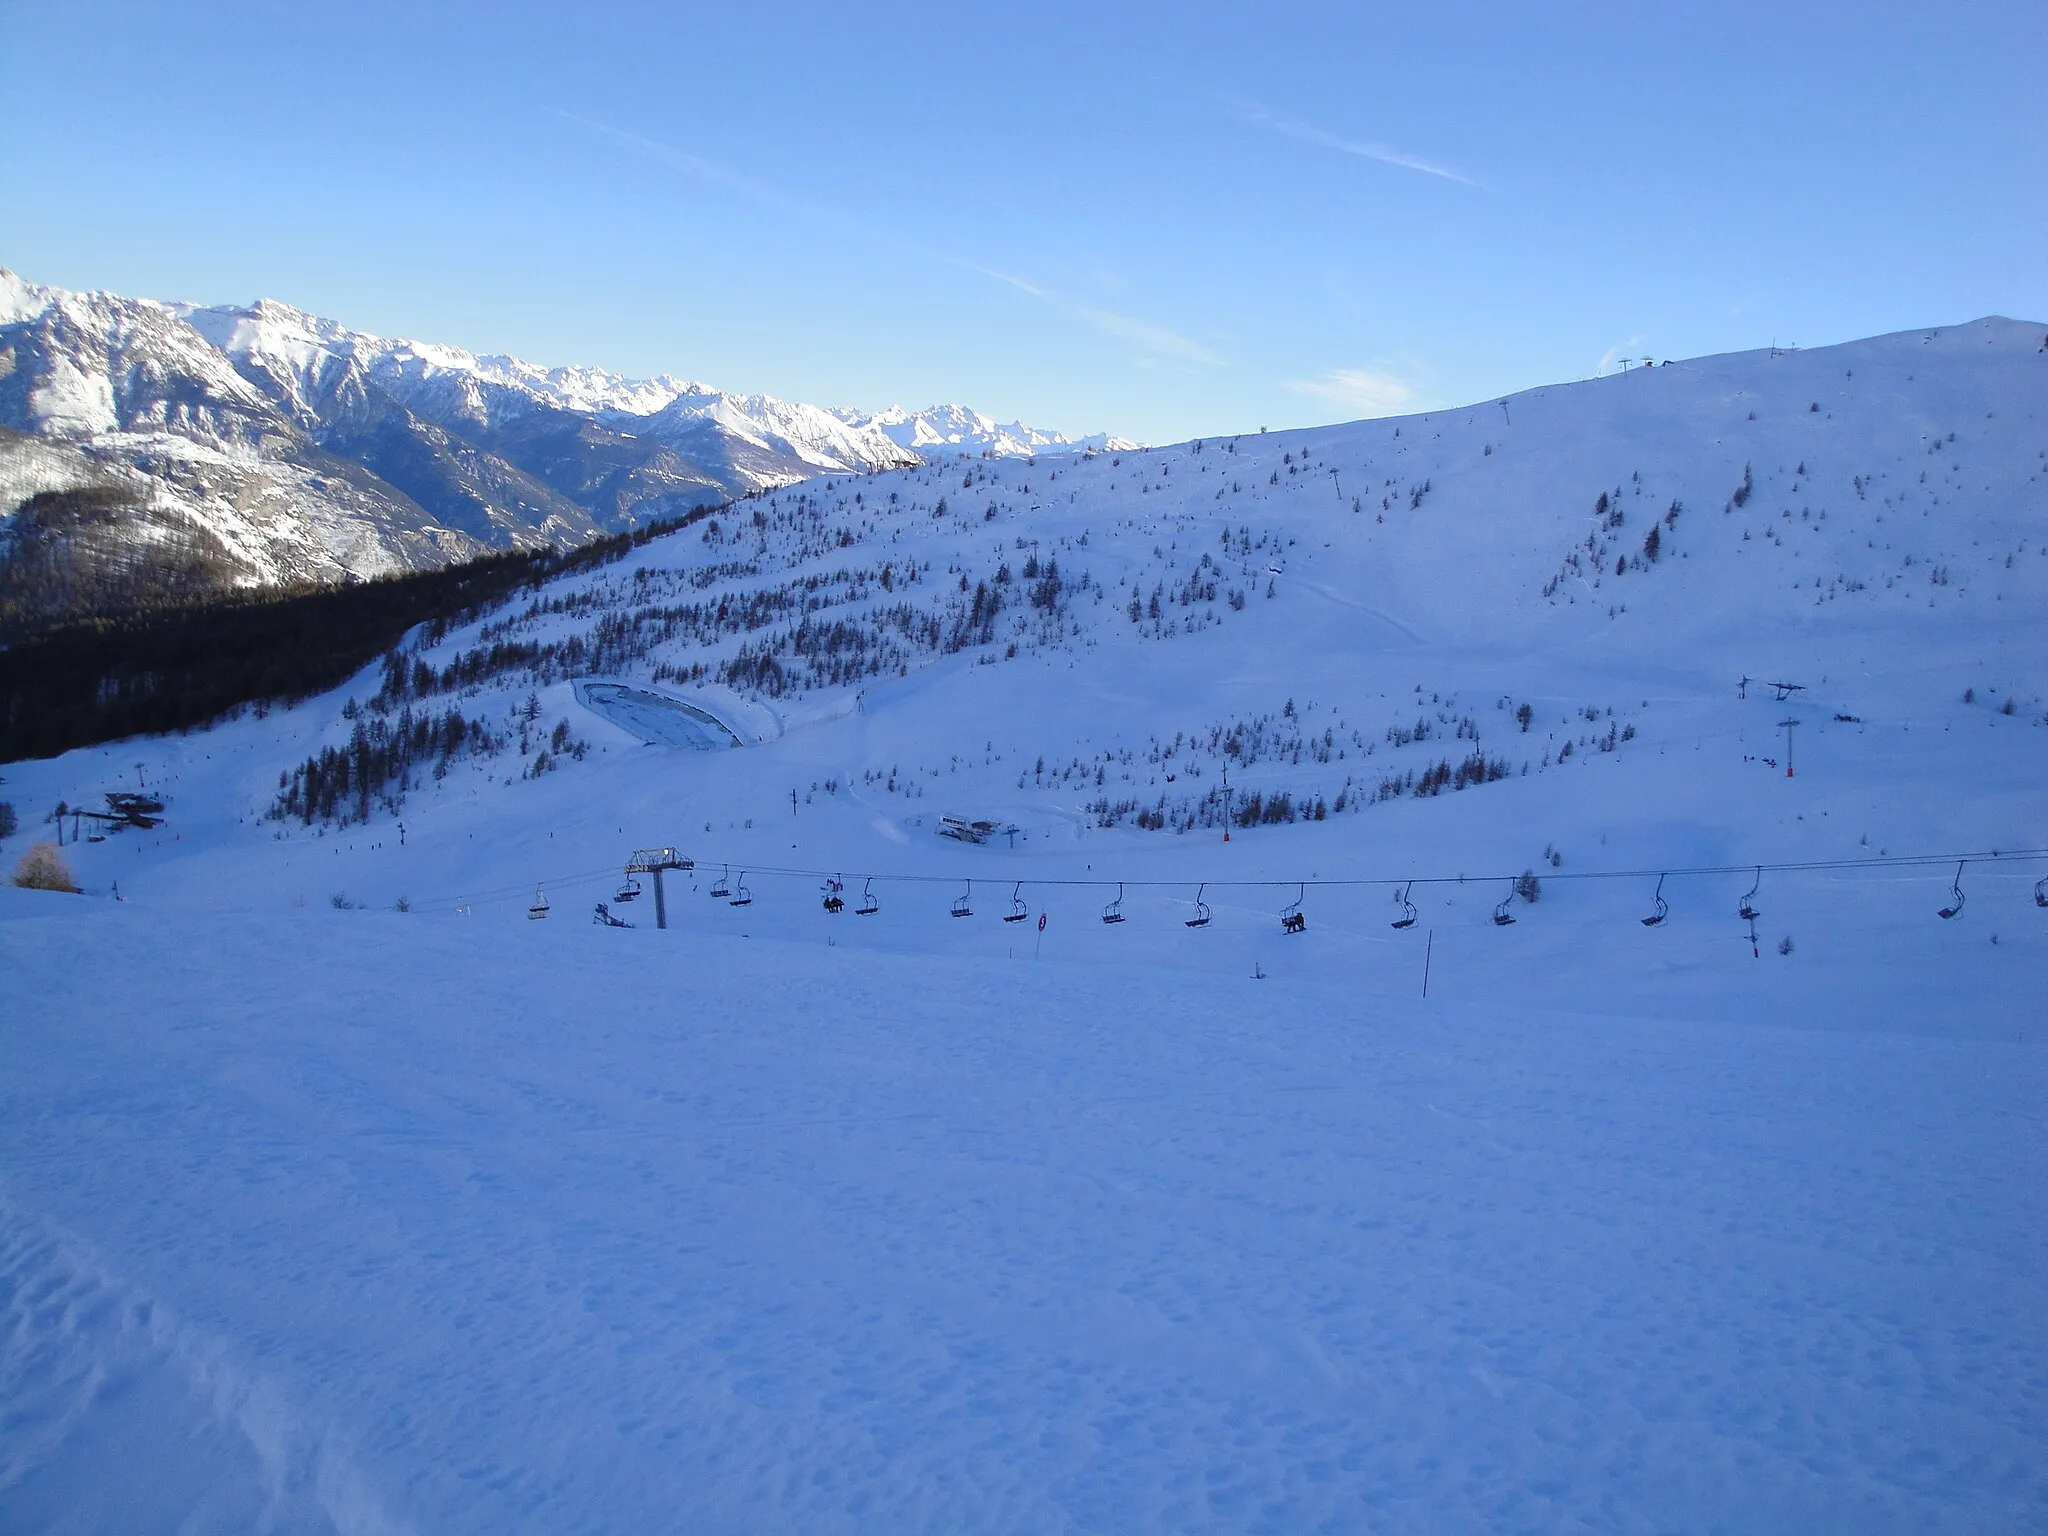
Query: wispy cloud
[1152, 340]
[1365, 149]
[1360, 391]
[1143, 334]
[1615, 354]
[754, 190]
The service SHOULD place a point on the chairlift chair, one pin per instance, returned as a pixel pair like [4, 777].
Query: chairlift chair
[539, 909]
[721, 889]
[868, 905]
[1114, 912]
[1747, 911]
[962, 905]
[629, 890]
[1408, 912]
[1955, 893]
[1292, 920]
[1502, 917]
[1201, 917]
[741, 896]
[2041, 892]
[1663, 908]
[1018, 911]
[835, 895]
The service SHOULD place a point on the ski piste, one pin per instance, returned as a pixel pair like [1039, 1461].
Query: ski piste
[329, 1215]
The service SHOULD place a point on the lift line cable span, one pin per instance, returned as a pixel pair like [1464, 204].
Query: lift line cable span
[1060, 882]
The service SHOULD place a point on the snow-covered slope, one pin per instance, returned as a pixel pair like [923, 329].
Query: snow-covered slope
[917, 1218]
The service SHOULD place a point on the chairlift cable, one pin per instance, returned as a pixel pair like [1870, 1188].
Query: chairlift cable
[1404, 883]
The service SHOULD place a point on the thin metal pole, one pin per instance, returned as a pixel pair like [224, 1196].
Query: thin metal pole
[1427, 950]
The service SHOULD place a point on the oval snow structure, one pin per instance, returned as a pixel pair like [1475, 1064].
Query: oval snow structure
[656, 718]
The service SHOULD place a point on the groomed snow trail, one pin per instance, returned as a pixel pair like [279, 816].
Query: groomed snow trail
[555, 1228]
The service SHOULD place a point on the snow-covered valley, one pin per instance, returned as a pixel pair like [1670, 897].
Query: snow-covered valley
[340, 1194]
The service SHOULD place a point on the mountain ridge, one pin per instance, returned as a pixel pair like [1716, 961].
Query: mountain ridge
[301, 451]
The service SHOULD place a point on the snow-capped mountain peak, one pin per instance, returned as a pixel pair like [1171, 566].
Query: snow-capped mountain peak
[941, 430]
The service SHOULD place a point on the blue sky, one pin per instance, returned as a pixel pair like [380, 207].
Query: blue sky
[1162, 221]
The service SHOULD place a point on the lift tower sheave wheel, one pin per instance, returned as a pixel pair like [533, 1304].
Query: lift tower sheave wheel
[652, 861]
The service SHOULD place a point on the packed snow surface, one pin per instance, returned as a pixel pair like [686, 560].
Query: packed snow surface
[402, 1225]
[336, 1194]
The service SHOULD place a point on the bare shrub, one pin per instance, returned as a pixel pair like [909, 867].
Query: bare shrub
[43, 868]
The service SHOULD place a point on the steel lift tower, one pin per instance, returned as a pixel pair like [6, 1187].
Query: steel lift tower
[652, 861]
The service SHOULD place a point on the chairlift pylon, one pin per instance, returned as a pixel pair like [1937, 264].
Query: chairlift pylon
[1955, 893]
[741, 896]
[1201, 917]
[1292, 920]
[963, 905]
[1018, 911]
[539, 909]
[1114, 912]
[1748, 911]
[721, 889]
[1663, 907]
[1408, 912]
[868, 905]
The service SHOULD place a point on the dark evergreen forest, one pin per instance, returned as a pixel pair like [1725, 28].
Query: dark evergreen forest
[171, 669]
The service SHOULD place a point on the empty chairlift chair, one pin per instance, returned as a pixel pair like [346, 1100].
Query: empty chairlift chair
[539, 909]
[720, 888]
[868, 905]
[1201, 917]
[1292, 920]
[963, 906]
[741, 896]
[1663, 908]
[1955, 893]
[1018, 911]
[1407, 917]
[1114, 912]
[628, 890]
[2041, 892]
